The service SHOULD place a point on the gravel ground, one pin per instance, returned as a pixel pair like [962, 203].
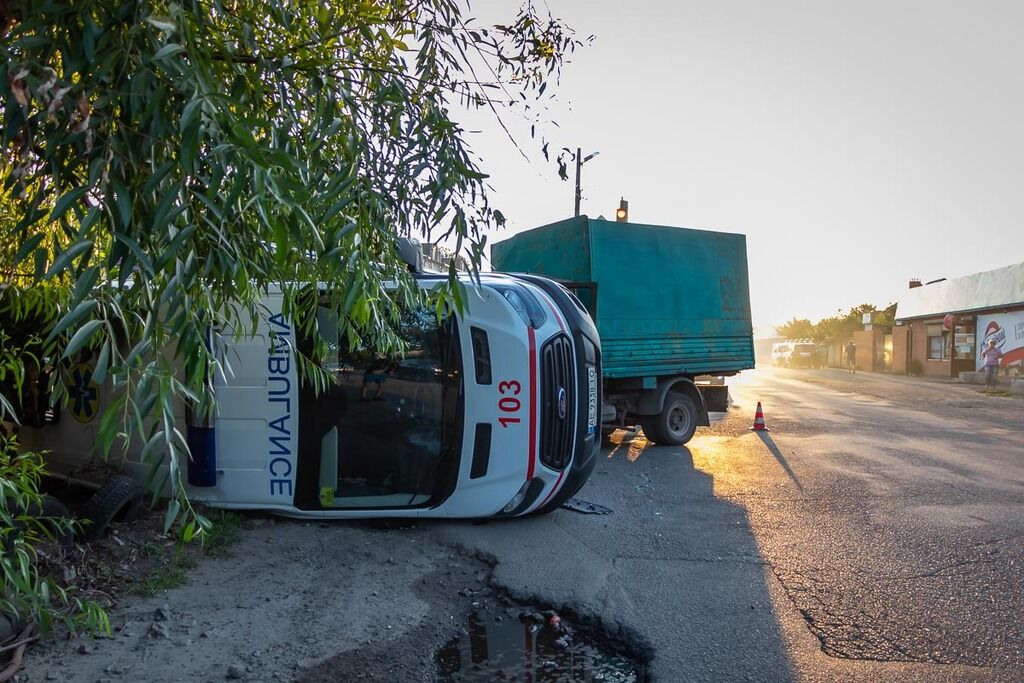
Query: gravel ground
[294, 601]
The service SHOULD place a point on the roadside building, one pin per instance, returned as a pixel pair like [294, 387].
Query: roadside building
[436, 259]
[942, 326]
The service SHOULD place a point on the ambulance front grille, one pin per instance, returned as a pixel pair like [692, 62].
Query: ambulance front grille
[557, 404]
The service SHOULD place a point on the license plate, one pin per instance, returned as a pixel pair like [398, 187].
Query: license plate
[591, 400]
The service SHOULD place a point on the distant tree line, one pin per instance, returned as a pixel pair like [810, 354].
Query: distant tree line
[839, 327]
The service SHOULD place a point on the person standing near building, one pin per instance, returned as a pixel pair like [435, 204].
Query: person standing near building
[851, 356]
[991, 355]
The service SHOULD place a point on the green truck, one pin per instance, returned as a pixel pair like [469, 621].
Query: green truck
[672, 307]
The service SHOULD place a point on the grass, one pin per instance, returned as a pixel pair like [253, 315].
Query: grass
[172, 568]
[168, 574]
[225, 532]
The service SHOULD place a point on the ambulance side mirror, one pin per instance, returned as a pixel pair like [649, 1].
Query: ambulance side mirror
[410, 252]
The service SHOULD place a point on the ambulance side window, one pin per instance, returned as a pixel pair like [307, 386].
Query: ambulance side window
[376, 436]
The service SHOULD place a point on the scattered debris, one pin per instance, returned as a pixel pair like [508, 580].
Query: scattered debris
[582, 506]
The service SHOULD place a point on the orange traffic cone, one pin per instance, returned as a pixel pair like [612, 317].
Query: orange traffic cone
[759, 425]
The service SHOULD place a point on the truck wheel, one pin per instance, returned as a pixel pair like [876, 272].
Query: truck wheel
[676, 422]
[120, 499]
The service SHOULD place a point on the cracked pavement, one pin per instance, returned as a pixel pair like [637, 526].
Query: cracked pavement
[875, 533]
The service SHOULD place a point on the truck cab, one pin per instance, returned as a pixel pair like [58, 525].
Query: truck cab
[493, 411]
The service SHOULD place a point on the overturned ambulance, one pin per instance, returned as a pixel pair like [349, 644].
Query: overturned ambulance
[491, 412]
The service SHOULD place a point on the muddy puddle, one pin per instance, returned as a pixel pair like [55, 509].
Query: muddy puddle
[531, 647]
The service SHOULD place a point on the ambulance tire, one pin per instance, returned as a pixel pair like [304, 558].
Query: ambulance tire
[676, 422]
[52, 508]
[120, 499]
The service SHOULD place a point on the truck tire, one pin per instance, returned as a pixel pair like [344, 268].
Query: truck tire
[120, 499]
[675, 424]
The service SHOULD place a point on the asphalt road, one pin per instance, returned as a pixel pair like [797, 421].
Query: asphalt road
[876, 532]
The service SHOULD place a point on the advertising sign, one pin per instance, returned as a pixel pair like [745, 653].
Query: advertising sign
[1007, 329]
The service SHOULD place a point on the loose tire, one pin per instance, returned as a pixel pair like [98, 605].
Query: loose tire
[120, 499]
[675, 424]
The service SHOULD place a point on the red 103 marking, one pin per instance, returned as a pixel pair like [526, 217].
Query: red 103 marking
[508, 403]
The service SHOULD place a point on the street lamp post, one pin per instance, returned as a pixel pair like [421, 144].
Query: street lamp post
[580, 160]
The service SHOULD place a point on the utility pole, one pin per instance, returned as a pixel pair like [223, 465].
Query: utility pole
[580, 160]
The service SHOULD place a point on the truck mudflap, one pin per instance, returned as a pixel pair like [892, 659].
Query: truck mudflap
[716, 397]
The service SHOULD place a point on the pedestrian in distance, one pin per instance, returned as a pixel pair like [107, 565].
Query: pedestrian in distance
[851, 356]
[991, 356]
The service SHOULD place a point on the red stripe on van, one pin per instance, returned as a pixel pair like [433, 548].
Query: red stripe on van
[533, 404]
[553, 490]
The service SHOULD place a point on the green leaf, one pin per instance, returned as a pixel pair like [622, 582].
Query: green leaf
[66, 257]
[171, 250]
[190, 146]
[72, 317]
[157, 176]
[189, 113]
[67, 200]
[157, 438]
[134, 247]
[40, 258]
[168, 50]
[173, 508]
[123, 203]
[165, 24]
[26, 247]
[79, 339]
[99, 372]
[86, 281]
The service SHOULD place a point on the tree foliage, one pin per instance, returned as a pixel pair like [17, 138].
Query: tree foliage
[837, 328]
[166, 163]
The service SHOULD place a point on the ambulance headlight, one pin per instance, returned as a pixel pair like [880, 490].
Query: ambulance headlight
[524, 303]
[516, 499]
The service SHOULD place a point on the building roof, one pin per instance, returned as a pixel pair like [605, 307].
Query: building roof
[999, 288]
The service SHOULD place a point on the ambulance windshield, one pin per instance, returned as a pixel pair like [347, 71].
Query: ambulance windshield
[386, 435]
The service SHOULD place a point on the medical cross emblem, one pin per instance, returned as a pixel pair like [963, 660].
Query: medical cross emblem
[84, 393]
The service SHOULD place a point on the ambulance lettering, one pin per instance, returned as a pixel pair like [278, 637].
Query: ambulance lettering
[279, 398]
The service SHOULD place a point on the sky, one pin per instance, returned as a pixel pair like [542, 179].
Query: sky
[855, 144]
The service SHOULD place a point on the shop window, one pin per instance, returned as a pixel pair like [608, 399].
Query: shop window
[963, 342]
[938, 343]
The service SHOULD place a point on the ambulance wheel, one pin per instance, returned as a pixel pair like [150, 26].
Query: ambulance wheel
[676, 422]
[120, 499]
[57, 511]
[52, 510]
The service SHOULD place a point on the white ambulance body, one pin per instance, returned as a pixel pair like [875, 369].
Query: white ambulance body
[494, 412]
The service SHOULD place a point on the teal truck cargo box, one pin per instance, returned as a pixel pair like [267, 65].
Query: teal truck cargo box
[671, 304]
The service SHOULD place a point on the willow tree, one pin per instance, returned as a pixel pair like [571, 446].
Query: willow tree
[166, 163]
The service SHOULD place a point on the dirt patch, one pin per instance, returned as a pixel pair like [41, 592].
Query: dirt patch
[134, 559]
[293, 601]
